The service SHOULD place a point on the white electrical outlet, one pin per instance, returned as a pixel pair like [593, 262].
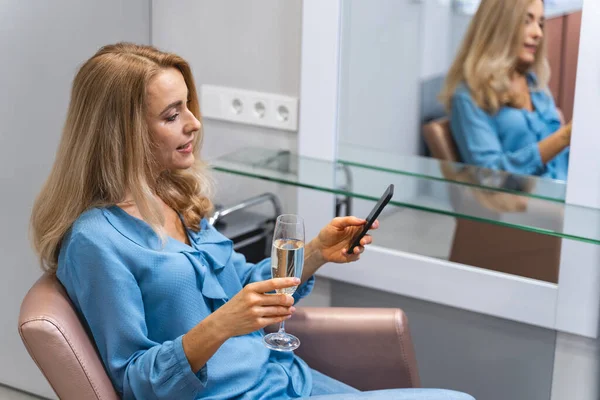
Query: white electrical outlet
[248, 107]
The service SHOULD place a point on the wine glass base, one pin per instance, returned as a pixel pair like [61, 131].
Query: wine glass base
[281, 341]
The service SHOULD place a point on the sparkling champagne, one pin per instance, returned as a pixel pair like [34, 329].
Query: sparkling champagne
[287, 260]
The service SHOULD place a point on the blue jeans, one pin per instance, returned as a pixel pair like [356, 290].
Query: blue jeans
[327, 388]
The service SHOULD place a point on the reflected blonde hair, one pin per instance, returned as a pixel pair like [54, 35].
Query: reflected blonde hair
[106, 150]
[489, 53]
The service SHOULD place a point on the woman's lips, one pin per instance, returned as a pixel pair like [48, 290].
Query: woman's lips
[187, 148]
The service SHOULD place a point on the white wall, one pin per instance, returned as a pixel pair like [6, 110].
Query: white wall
[379, 75]
[436, 50]
[42, 43]
[389, 50]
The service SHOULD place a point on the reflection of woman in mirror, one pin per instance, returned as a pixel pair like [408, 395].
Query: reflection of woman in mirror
[502, 115]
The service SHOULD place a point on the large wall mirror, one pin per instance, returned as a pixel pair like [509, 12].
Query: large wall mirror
[468, 103]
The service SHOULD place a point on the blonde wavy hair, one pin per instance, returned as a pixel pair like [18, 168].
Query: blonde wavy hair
[489, 53]
[106, 153]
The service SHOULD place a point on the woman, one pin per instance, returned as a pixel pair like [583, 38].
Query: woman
[502, 115]
[174, 311]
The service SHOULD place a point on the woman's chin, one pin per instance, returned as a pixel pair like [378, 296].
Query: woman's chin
[183, 164]
[184, 167]
[526, 60]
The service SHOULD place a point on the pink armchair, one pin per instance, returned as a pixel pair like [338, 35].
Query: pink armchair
[366, 348]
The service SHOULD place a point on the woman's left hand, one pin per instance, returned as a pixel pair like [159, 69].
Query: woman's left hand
[334, 239]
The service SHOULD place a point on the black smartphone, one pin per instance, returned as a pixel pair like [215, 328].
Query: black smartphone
[387, 196]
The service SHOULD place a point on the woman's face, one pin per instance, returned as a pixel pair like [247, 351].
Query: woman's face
[534, 32]
[171, 124]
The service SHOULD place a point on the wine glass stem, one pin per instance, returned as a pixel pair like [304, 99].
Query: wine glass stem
[281, 327]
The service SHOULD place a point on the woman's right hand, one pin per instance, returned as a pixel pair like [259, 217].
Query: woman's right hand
[253, 308]
[248, 311]
[550, 146]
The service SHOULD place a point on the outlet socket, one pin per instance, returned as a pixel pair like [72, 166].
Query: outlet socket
[249, 107]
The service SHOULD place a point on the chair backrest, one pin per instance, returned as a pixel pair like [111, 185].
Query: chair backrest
[439, 140]
[59, 344]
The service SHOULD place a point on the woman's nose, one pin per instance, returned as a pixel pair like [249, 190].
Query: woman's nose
[194, 124]
[538, 33]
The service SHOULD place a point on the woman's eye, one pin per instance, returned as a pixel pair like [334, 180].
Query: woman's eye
[173, 117]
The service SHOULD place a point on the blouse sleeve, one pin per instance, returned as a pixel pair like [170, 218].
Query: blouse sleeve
[107, 295]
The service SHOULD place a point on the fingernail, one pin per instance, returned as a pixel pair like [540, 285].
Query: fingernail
[292, 309]
[296, 280]
[288, 316]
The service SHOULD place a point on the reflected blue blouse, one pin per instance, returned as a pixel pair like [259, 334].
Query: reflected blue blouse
[509, 139]
[139, 296]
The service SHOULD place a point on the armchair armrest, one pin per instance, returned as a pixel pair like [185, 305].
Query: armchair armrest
[367, 348]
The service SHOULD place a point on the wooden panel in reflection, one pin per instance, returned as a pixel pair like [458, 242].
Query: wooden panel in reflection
[500, 248]
[571, 35]
[503, 249]
[554, 37]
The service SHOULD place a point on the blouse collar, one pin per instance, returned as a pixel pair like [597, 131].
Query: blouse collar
[207, 240]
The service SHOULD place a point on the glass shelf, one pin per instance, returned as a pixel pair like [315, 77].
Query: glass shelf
[469, 175]
[484, 204]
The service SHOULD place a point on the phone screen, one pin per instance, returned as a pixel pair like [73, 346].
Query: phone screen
[385, 198]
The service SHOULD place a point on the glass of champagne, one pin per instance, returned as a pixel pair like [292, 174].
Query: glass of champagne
[287, 260]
